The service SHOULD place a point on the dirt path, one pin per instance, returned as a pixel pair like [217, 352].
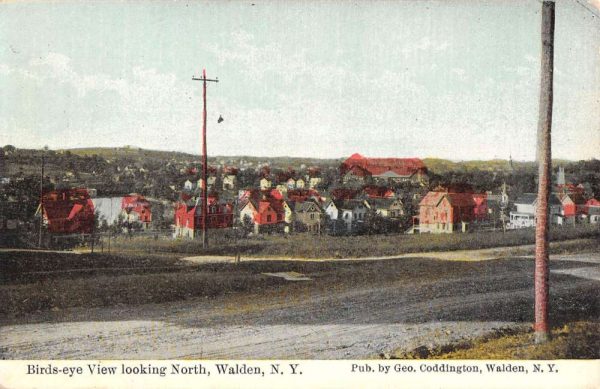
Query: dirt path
[350, 323]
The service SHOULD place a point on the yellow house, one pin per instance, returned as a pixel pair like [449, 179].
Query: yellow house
[265, 183]
[314, 181]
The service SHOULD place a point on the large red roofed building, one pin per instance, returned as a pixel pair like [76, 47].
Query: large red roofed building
[360, 168]
[136, 209]
[68, 211]
[188, 217]
[447, 212]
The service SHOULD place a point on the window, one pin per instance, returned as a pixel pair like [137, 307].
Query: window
[312, 216]
[268, 218]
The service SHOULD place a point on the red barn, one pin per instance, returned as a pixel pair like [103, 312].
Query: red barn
[68, 211]
[188, 217]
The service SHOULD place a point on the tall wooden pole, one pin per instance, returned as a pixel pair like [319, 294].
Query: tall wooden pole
[41, 203]
[204, 167]
[204, 193]
[544, 157]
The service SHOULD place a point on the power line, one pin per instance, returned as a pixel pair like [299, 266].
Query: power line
[594, 12]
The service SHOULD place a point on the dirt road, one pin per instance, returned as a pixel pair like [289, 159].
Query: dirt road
[333, 320]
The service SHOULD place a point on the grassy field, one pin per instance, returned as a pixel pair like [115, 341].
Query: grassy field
[573, 340]
[313, 246]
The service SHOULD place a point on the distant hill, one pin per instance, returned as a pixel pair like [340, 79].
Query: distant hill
[132, 152]
[435, 165]
[137, 153]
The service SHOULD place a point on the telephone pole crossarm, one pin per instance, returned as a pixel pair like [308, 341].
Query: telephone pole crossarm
[205, 79]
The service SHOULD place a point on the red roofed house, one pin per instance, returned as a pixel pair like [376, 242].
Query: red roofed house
[136, 209]
[592, 211]
[385, 170]
[573, 206]
[301, 195]
[378, 192]
[188, 217]
[267, 213]
[68, 211]
[446, 212]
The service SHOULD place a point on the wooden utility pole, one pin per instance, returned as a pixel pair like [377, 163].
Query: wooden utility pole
[544, 158]
[204, 193]
[41, 203]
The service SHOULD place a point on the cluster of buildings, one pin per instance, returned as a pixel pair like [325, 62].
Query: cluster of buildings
[74, 211]
[568, 205]
[287, 201]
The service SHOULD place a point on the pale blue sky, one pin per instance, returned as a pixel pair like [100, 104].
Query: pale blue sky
[452, 79]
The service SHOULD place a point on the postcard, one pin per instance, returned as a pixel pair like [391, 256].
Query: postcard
[302, 193]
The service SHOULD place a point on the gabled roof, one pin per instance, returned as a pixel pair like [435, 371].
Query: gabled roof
[593, 203]
[461, 199]
[526, 198]
[379, 203]
[576, 198]
[376, 166]
[307, 206]
[531, 198]
[432, 199]
[351, 204]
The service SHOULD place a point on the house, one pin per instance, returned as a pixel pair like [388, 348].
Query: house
[188, 185]
[210, 180]
[282, 188]
[392, 208]
[107, 209]
[446, 212]
[308, 217]
[291, 183]
[523, 215]
[592, 211]
[378, 192]
[480, 210]
[356, 175]
[385, 170]
[351, 212]
[188, 217]
[301, 195]
[68, 211]
[265, 183]
[136, 210]
[313, 177]
[344, 193]
[229, 181]
[573, 207]
[266, 214]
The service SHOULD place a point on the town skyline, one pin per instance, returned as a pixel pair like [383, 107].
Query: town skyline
[453, 83]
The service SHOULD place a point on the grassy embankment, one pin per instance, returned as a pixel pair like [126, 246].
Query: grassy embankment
[313, 246]
[573, 340]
